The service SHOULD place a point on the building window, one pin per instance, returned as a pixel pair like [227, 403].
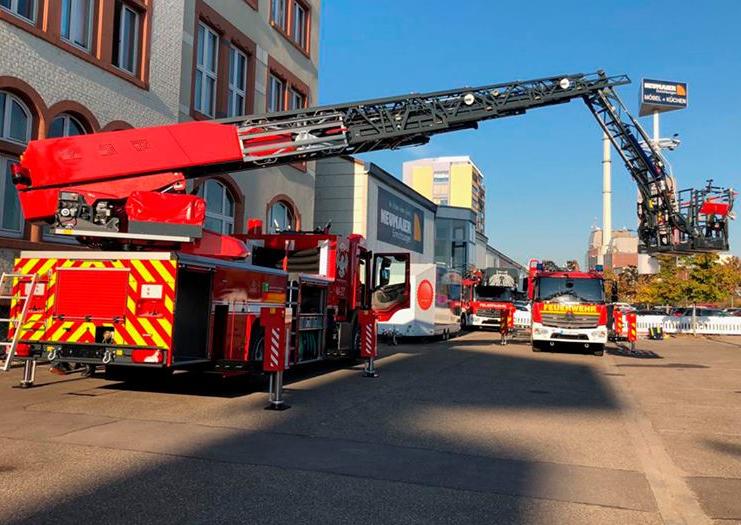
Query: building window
[300, 24]
[281, 217]
[11, 222]
[440, 177]
[297, 99]
[277, 97]
[126, 37]
[15, 126]
[23, 8]
[219, 207]
[279, 13]
[207, 55]
[237, 82]
[65, 125]
[15, 119]
[77, 22]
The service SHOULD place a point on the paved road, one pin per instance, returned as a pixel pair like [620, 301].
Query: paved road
[457, 432]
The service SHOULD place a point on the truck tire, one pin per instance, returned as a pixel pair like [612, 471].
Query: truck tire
[536, 346]
[599, 350]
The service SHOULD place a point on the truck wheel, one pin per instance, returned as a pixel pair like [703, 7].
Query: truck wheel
[599, 350]
[536, 346]
[464, 325]
[257, 344]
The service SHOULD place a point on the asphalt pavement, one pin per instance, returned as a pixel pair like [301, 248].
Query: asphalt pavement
[462, 431]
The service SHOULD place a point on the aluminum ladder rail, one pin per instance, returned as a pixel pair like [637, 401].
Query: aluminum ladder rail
[393, 122]
[27, 287]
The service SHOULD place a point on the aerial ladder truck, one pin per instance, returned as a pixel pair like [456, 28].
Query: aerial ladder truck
[159, 290]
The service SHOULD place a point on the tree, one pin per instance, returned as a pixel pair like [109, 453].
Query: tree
[666, 287]
[703, 284]
[729, 276]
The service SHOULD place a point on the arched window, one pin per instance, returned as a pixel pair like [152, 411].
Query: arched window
[65, 125]
[15, 119]
[281, 217]
[15, 127]
[219, 206]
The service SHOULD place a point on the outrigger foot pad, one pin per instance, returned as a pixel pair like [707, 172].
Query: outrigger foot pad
[278, 406]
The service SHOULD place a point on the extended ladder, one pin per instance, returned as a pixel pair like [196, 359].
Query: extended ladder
[26, 289]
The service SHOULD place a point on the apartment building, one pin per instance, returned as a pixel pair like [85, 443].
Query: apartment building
[70, 67]
[450, 181]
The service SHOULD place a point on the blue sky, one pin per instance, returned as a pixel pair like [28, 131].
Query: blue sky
[543, 169]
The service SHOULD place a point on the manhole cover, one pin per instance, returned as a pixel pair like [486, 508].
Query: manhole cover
[613, 374]
[539, 391]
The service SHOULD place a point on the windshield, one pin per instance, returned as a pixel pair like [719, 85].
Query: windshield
[570, 290]
[494, 293]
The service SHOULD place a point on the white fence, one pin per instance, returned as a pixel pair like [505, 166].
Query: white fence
[522, 319]
[683, 325]
[670, 324]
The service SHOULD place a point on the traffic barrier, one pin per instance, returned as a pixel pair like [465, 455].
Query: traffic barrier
[617, 316]
[631, 321]
[505, 323]
[368, 341]
[669, 324]
[273, 321]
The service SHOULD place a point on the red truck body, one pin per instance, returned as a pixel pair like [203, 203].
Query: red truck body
[177, 310]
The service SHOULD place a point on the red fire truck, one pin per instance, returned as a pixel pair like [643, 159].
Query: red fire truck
[567, 307]
[489, 300]
[159, 290]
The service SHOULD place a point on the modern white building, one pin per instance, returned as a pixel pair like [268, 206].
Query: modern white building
[360, 197]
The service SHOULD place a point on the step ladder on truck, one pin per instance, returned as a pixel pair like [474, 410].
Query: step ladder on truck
[19, 289]
[169, 293]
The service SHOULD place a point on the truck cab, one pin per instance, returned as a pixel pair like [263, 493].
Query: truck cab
[489, 305]
[568, 308]
[331, 278]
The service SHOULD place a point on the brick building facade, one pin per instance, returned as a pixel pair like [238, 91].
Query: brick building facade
[89, 66]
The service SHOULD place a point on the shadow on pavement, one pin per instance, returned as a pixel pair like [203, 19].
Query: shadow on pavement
[352, 450]
[624, 351]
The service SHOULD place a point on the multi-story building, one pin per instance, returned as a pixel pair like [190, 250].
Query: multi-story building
[449, 181]
[69, 67]
[621, 252]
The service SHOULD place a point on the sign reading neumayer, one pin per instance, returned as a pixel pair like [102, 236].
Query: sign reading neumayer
[399, 222]
[662, 95]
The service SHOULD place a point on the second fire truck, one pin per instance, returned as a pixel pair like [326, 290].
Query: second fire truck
[568, 307]
[489, 301]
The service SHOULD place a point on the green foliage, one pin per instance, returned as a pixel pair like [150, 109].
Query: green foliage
[703, 284]
[698, 278]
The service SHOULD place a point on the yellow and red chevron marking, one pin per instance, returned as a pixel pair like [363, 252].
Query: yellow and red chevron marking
[133, 330]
